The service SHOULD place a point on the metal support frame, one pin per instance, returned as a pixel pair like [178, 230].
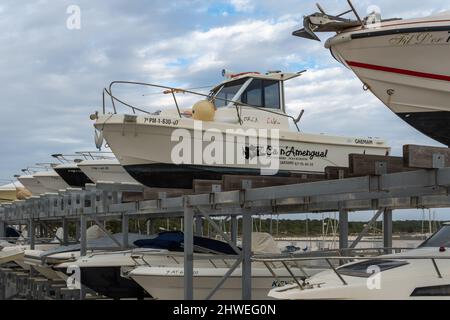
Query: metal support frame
[199, 226]
[387, 229]
[2, 229]
[65, 227]
[343, 229]
[101, 225]
[31, 234]
[83, 235]
[416, 189]
[125, 230]
[367, 228]
[188, 253]
[219, 230]
[247, 228]
[234, 229]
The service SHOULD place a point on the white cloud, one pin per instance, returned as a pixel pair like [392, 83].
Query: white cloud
[242, 5]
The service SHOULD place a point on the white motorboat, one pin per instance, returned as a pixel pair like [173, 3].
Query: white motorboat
[422, 273]
[106, 170]
[91, 167]
[51, 180]
[166, 282]
[33, 185]
[16, 253]
[405, 63]
[240, 129]
[106, 272]
[42, 259]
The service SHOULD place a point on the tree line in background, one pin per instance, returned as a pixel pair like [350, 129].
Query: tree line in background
[278, 228]
[286, 228]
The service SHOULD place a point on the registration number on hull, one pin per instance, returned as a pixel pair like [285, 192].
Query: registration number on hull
[162, 121]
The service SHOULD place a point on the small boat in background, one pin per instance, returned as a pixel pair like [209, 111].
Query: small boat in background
[106, 170]
[8, 193]
[404, 63]
[51, 180]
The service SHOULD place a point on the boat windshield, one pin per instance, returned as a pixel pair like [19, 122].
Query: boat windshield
[439, 239]
[228, 92]
[259, 93]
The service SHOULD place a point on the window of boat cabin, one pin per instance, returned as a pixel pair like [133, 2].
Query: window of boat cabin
[259, 93]
[440, 239]
[262, 93]
[229, 90]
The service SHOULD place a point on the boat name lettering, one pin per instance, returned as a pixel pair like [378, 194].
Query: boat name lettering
[163, 121]
[252, 152]
[251, 119]
[363, 141]
[273, 121]
[176, 272]
[292, 151]
[410, 39]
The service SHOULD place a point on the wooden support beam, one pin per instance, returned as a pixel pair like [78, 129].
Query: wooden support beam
[426, 157]
[234, 182]
[368, 165]
[335, 173]
[205, 186]
[153, 194]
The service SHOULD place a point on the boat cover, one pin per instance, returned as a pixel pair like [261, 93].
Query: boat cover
[174, 241]
[263, 243]
[98, 244]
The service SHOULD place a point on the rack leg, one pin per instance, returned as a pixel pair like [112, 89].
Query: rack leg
[188, 253]
[387, 230]
[247, 253]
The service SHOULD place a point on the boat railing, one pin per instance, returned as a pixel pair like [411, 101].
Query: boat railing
[334, 261]
[144, 258]
[78, 157]
[96, 155]
[173, 91]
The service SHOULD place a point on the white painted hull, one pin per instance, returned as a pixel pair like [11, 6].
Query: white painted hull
[51, 181]
[147, 145]
[106, 171]
[168, 283]
[395, 284]
[11, 254]
[411, 93]
[34, 186]
[406, 64]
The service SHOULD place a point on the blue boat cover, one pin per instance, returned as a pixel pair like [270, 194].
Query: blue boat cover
[174, 241]
[12, 233]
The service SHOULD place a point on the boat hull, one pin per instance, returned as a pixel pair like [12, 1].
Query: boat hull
[107, 281]
[33, 185]
[106, 172]
[51, 182]
[146, 152]
[168, 283]
[74, 177]
[408, 69]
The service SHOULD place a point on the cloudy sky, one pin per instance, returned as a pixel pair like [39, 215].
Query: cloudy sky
[52, 76]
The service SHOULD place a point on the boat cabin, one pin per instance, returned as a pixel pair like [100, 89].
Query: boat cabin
[259, 99]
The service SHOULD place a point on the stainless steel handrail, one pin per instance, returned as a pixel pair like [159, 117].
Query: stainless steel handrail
[284, 261]
[173, 91]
